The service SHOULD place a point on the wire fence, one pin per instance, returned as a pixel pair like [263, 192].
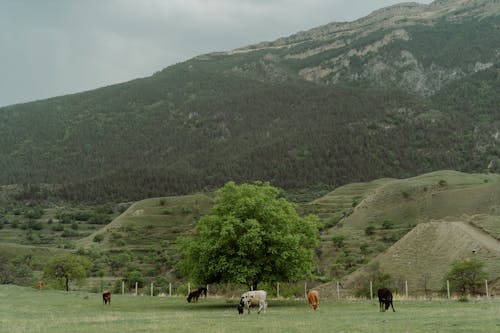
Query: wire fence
[334, 290]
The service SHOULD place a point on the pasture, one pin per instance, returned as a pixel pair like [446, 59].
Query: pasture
[28, 310]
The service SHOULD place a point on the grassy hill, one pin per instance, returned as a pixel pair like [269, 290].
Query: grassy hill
[151, 223]
[410, 228]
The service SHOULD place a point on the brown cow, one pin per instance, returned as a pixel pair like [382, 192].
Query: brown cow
[313, 299]
[106, 297]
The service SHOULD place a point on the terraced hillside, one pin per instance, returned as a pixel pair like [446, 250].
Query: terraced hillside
[448, 215]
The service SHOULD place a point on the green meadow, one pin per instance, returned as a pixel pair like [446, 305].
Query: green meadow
[29, 310]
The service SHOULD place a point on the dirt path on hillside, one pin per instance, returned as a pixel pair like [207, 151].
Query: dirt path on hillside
[484, 238]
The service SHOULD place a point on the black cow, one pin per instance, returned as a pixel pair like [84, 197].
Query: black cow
[241, 306]
[194, 295]
[385, 299]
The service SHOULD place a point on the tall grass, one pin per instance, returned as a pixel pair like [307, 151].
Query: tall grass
[27, 310]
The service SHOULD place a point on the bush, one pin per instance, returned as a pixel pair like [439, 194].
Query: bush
[466, 276]
[57, 227]
[370, 230]
[339, 241]
[365, 249]
[98, 238]
[131, 277]
[387, 224]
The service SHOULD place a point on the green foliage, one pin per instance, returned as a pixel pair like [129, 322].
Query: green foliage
[379, 280]
[132, 277]
[98, 238]
[466, 277]
[251, 236]
[17, 270]
[370, 230]
[442, 183]
[339, 241]
[66, 268]
[387, 224]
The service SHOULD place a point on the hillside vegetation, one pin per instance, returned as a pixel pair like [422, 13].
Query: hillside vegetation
[409, 228]
[406, 90]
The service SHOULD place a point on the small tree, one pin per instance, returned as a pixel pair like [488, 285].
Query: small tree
[67, 267]
[339, 241]
[466, 277]
[379, 280]
[252, 235]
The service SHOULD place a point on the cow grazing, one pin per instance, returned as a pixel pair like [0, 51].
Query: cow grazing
[253, 298]
[241, 307]
[106, 297]
[385, 299]
[195, 294]
[313, 299]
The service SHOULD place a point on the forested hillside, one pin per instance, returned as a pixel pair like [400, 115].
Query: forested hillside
[406, 90]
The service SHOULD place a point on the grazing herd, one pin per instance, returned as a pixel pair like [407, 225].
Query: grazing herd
[258, 298]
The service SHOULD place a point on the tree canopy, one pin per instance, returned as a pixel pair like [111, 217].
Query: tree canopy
[466, 276]
[252, 235]
[67, 267]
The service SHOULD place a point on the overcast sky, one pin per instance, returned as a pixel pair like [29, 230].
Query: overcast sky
[55, 47]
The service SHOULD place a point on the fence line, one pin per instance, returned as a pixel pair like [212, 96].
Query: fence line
[335, 290]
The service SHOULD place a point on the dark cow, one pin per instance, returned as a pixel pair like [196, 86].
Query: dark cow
[195, 294]
[241, 307]
[106, 297]
[385, 299]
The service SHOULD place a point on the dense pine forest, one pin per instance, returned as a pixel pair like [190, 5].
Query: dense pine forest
[338, 104]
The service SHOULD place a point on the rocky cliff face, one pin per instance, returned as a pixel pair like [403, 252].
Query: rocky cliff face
[409, 46]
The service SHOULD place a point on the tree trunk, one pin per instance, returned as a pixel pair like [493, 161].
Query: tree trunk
[67, 284]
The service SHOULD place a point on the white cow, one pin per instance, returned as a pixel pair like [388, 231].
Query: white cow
[253, 298]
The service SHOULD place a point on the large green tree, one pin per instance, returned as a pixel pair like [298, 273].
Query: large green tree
[252, 235]
[67, 267]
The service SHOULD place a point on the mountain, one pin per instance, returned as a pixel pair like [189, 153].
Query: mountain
[406, 90]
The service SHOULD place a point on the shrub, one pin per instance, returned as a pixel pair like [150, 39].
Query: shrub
[387, 224]
[339, 241]
[365, 249]
[370, 230]
[466, 276]
[132, 277]
[98, 238]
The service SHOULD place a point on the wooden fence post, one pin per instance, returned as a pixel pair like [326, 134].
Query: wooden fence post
[448, 288]
[338, 290]
[189, 287]
[371, 291]
[136, 289]
[151, 289]
[123, 287]
[406, 288]
[277, 290]
[170, 289]
[305, 290]
[486, 287]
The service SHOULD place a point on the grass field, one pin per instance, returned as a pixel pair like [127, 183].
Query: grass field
[28, 310]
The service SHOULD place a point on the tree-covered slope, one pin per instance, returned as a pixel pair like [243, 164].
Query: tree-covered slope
[406, 90]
